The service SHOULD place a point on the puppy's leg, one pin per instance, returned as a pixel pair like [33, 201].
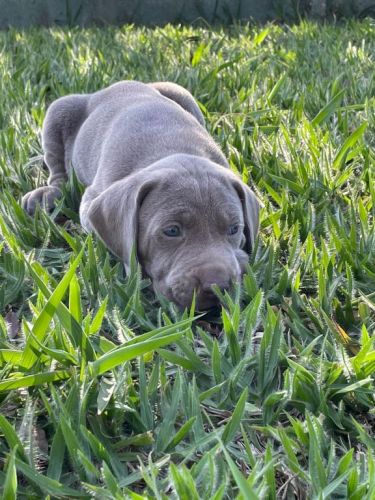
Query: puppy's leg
[88, 196]
[60, 127]
[181, 96]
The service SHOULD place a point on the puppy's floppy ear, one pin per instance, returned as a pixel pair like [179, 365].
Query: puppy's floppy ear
[250, 207]
[114, 214]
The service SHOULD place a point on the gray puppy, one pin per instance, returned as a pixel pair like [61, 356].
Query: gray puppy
[156, 181]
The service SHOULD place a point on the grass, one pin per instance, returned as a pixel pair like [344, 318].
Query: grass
[106, 392]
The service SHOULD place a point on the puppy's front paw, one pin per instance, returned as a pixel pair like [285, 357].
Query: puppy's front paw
[44, 196]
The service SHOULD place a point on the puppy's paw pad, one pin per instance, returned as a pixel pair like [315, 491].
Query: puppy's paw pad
[44, 196]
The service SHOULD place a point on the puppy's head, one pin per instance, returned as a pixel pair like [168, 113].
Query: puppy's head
[193, 224]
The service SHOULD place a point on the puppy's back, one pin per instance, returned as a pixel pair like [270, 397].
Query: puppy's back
[129, 126]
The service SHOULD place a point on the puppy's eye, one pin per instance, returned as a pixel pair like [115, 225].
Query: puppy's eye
[233, 229]
[172, 231]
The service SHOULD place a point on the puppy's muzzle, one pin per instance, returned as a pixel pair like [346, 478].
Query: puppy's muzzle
[202, 282]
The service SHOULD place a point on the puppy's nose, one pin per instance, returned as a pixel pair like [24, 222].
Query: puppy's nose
[219, 277]
[206, 296]
[206, 287]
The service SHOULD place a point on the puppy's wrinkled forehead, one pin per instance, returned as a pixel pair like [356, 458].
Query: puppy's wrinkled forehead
[190, 199]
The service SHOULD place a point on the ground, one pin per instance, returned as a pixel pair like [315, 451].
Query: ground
[107, 392]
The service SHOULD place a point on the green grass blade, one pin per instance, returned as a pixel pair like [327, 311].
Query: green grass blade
[98, 318]
[125, 353]
[181, 433]
[10, 483]
[75, 306]
[47, 485]
[234, 423]
[348, 144]
[246, 490]
[42, 322]
[33, 380]
[330, 108]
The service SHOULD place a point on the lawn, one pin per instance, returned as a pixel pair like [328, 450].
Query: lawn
[109, 392]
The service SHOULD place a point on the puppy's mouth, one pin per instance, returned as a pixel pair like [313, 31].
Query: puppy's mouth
[203, 303]
[212, 314]
[208, 302]
[183, 301]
